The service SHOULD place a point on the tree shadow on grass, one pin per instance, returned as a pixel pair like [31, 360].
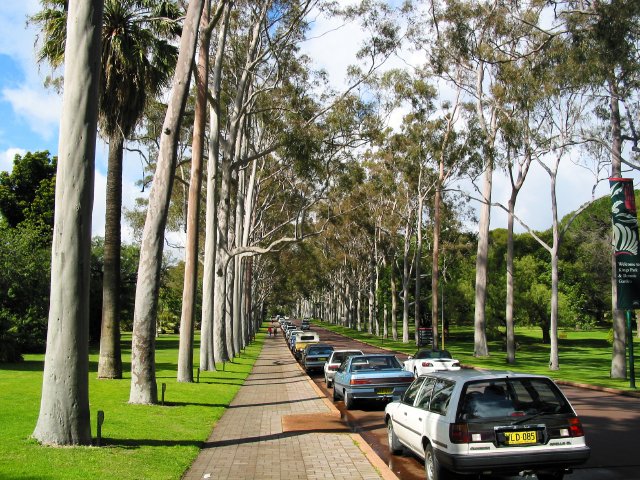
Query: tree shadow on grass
[194, 404]
[131, 444]
[24, 366]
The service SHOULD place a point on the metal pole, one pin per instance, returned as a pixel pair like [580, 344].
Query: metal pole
[100, 422]
[632, 370]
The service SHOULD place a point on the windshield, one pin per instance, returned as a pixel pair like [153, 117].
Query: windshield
[511, 397]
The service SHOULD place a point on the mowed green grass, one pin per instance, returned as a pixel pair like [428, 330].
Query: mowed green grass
[585, 356]
[138, 442]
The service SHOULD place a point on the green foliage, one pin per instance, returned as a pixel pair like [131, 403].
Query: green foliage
[129, 255]
[28, 192]
[24, 288]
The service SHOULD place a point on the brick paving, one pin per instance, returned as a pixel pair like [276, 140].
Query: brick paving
[249, 441]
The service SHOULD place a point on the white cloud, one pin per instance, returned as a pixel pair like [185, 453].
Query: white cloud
[332, 46]
[7, 157]
[39, 108]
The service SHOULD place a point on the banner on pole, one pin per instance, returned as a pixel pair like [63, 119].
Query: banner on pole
[625, 243]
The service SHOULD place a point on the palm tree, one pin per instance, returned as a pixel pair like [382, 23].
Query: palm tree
[137, 62]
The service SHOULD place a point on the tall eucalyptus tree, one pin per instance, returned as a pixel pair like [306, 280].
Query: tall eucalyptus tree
[143, 381]
[604, 37]
[64, 417]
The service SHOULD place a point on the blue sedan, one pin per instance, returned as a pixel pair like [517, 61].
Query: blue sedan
[370, 376]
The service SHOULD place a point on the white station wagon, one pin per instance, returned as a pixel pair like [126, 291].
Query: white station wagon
[488, 422]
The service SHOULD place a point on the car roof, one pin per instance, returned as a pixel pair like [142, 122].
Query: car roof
[372, 355]
[467, 374]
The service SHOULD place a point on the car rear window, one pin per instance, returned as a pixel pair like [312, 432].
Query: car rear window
[307, 337]
[511, 397]
[320, 351]
[376, 363]
[339, 357]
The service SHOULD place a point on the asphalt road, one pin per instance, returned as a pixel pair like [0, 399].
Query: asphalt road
[611, 422]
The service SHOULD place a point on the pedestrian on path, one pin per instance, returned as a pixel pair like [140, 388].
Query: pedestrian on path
[269, 331]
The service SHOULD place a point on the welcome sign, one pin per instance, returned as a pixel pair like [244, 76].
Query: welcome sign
[625, 243]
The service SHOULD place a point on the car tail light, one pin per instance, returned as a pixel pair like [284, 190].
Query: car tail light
[360, 381]
[575, 427]
[334, 367]
[427, 364]
[459, 433]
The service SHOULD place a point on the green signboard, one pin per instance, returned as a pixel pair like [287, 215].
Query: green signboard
[625, 243]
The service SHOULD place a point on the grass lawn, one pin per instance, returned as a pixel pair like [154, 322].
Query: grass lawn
[585, 356]
[139, 442]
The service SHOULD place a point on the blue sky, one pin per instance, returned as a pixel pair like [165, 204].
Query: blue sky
[30, 113]
[29, 116]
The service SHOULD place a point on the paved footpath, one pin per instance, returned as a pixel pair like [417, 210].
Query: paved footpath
[280, 426]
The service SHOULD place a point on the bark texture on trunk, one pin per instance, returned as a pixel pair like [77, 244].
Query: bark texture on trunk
[143, 372]
[618, 355]
[480, 348]
[110, 361]
[190, 287]
[64, 417]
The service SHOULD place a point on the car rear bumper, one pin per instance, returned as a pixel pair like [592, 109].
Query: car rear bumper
[373, 394]
[311, 364]
[543, 460]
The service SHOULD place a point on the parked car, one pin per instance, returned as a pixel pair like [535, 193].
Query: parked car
[500, 423]
[292, 335]
[334, 362]
[315, 355]
[428, 361]
[302, 340]
[370, 376]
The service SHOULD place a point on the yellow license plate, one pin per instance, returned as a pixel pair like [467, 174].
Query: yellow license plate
[521, 438]
[384, 391]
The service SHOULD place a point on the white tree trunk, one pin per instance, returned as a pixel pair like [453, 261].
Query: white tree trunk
[511, 337]
[207, 332]
[480, 348]
[618, 356]
[64, 408]
[143, 376]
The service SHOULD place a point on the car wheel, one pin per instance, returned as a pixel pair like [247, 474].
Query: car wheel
[395, 447]
[348, 401]
[335, 394]
[432, 467]
[550, 475]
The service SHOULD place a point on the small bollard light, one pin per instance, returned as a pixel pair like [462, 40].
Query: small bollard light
[164, 389]
[99, 430]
